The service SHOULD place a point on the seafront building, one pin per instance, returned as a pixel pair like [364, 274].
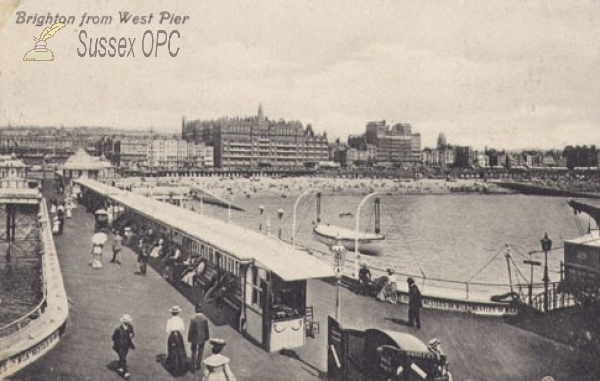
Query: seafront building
[258, 142]
[382, 145]
[177, 153]
[50, 142]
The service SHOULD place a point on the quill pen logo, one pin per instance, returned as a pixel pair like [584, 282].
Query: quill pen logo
[40, 52]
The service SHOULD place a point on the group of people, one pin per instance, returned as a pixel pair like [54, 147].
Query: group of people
[61, 210]
[387, 288]
[215, 367]
[99, 240]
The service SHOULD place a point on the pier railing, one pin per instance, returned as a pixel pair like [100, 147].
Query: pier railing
[452, 288]
[556, 300]
[38, 310]
[37, 332]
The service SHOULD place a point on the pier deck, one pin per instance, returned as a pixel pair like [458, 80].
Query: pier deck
[479, 348]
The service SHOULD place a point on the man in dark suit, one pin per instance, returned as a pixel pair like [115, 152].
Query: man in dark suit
[197, 336]
[122, 342]
[414, 304]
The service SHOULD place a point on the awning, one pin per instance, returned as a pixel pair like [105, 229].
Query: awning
[288, 262]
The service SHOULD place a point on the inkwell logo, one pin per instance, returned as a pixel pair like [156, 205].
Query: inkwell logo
[41, 53]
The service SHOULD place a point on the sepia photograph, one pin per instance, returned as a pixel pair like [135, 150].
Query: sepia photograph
[279, 190]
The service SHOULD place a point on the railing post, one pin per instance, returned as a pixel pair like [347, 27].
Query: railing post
[467, 289]
[562, 269]
[554, 298]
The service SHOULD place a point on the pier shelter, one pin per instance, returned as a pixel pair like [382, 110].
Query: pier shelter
[265, 277]
[82, 165]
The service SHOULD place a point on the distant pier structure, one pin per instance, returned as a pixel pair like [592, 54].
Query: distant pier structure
[27, 232]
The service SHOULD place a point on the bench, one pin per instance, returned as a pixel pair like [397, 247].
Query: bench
[233, 294]
[208, 276]
[233, 297]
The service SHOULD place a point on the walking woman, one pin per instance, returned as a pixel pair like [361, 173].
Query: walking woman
[98, 241]
[176, 355]
[216, 366]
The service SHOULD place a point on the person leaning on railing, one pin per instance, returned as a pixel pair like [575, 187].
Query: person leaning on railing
[388, 291]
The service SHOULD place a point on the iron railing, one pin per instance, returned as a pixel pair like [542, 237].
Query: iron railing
[38, 310]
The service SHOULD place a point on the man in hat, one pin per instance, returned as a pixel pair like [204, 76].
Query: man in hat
[122, 342]
[434, 347]
[414, 304]
[197, 336]
[364, 279]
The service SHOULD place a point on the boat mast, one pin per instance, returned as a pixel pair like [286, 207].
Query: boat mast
[356, 254]
[319, 207]
[377, 215]
[508, 258]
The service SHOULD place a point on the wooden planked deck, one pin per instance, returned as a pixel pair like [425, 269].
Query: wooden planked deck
[479, 348]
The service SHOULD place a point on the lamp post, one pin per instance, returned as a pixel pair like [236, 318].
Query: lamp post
[306, 191]
[339, 256]
[546, 247]
[356, 251]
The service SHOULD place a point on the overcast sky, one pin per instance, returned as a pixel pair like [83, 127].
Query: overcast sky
[506, 74]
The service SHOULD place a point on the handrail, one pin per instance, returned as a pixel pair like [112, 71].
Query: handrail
[434, 279]
[466, 286]
[41, 306]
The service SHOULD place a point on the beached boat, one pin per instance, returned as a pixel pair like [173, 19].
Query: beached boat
[368, 243]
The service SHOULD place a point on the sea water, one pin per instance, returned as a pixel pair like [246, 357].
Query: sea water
[450, 236]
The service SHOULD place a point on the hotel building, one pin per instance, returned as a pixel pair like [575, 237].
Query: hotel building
[396, 145]
[258, 142]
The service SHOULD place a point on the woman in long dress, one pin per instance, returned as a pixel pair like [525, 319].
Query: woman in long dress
[176, 355]
[216, 366]
[98, 241]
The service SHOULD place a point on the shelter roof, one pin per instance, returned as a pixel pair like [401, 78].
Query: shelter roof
[288, 262]
[81, 160]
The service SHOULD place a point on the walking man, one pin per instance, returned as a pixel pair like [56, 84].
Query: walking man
[117, 246]
[197, 336]
[414, 304]
[364, 279]
[122, 342]
[143, 260]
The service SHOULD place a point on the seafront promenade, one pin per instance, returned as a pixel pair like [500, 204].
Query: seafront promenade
[478, 348]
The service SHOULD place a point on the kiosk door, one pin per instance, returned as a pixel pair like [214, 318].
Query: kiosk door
[336, 350]
[345, 353]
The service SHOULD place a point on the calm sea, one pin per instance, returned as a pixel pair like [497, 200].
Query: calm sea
[441, 236]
